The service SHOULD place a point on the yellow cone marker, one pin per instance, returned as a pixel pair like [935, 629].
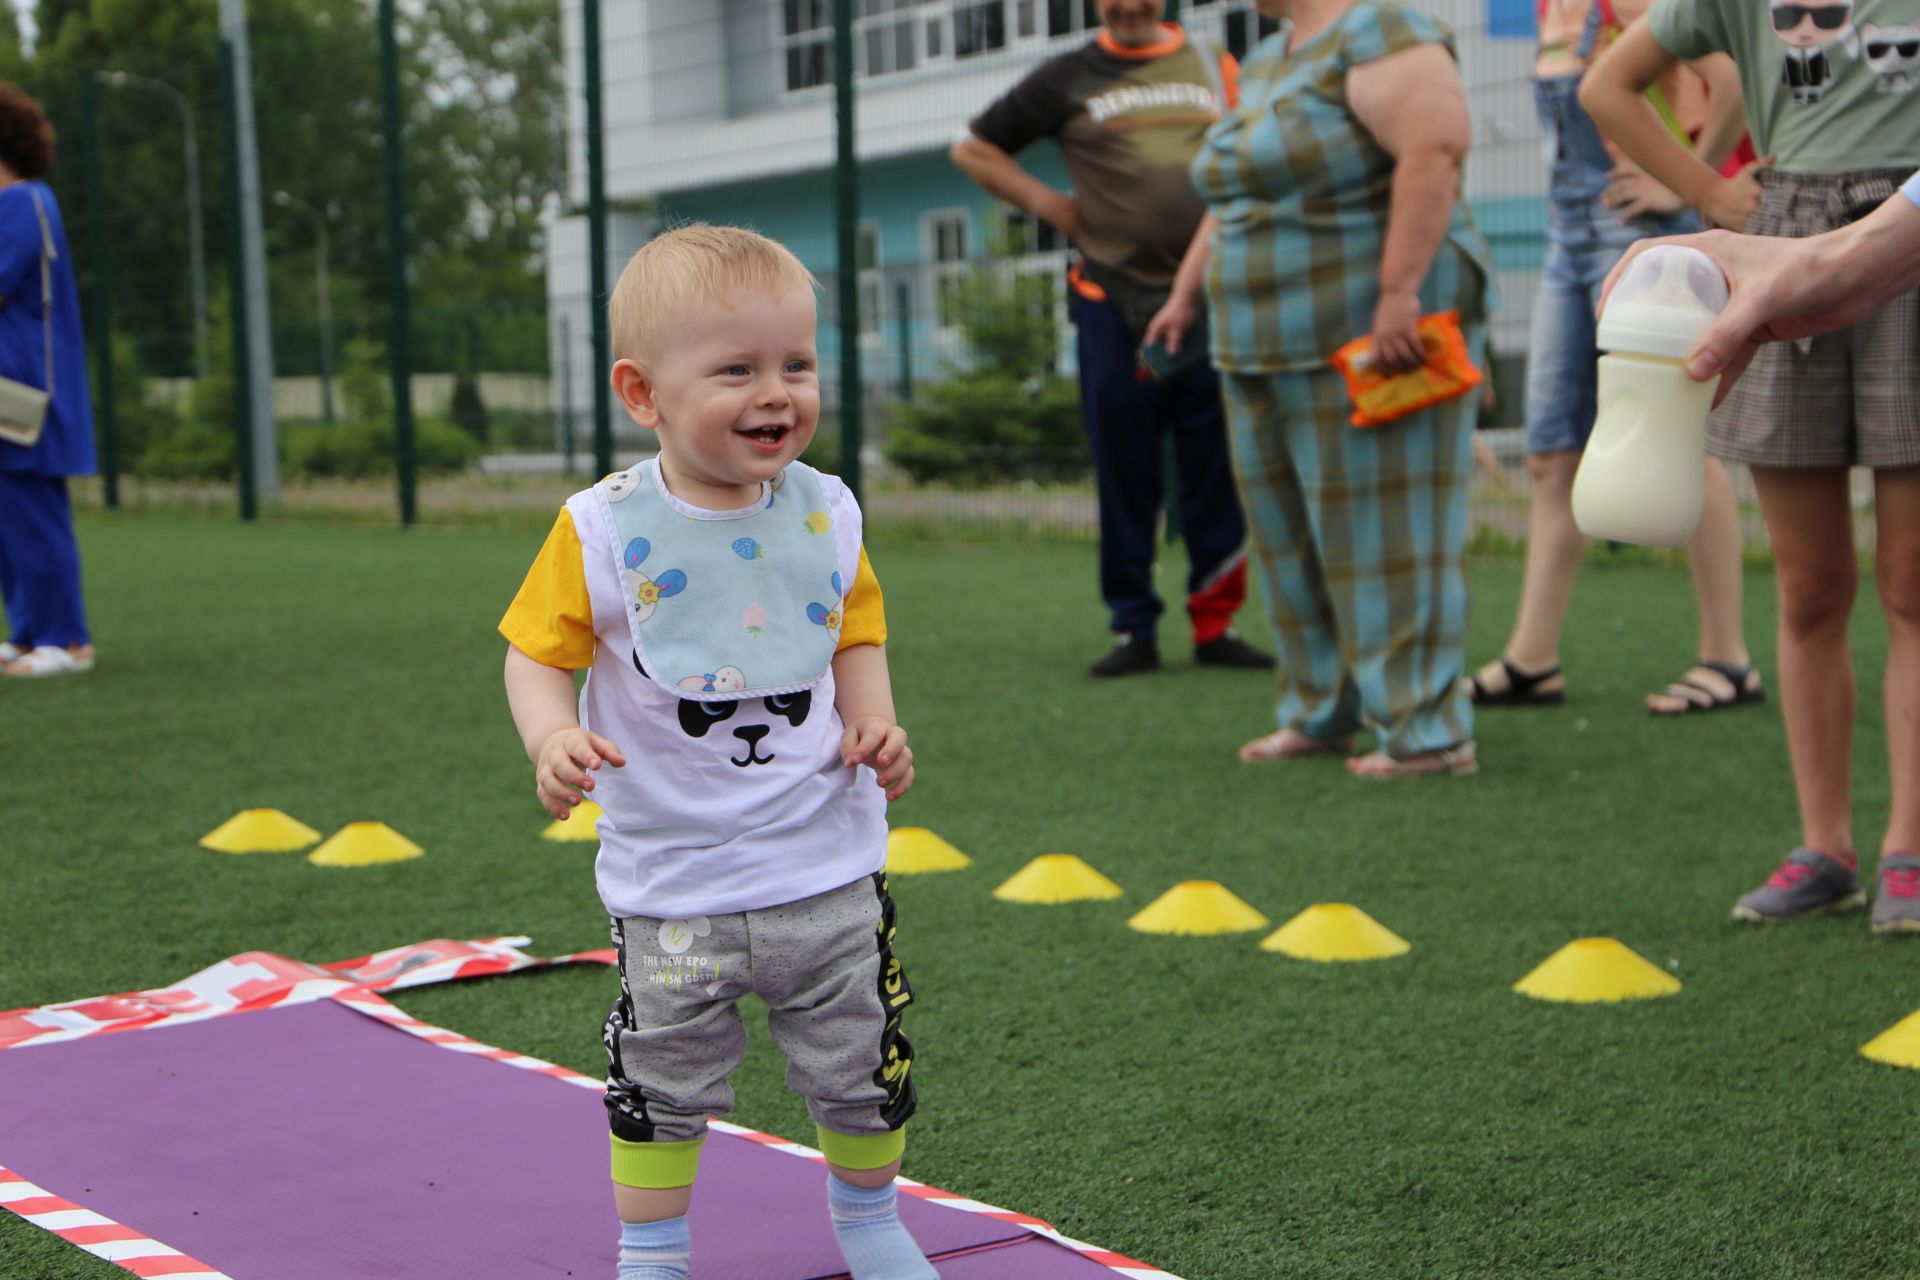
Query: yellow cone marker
[1335, 931]
[1898, 1045]
[1588, 970]
[1057, 877]
[259, 831]
[915, 851]
[579, 826]
[362, 844]
[1197, 907]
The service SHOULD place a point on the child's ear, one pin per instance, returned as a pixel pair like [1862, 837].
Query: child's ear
[634, 389]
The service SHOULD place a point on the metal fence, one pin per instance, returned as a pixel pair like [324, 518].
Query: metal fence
[723, 110]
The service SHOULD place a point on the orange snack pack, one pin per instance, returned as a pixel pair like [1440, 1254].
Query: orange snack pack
[1379, 398]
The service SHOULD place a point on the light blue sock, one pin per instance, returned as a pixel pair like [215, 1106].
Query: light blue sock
[655, 1250]
[867, 1225]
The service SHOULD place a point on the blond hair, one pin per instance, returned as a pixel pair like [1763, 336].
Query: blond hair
[690, 264]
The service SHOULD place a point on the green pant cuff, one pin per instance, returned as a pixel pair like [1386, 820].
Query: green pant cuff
[656, 1166]
[872, 1151]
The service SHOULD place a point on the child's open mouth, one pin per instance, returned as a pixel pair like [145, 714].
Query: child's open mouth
[768, 437]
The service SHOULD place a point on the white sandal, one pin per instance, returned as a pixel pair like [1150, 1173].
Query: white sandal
[47, 660]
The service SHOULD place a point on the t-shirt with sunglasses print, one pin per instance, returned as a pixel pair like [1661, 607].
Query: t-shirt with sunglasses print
[1828, 86]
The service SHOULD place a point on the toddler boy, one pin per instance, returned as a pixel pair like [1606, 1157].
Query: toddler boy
[721, 602]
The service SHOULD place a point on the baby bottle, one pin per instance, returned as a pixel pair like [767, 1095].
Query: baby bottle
[1643, 476]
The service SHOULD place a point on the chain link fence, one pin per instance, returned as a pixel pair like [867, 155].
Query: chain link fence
[721, 111]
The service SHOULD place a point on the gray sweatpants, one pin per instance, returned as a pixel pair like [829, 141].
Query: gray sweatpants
[834, 994]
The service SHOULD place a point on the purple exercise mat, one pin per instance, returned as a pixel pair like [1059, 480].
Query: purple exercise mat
[312, 1143]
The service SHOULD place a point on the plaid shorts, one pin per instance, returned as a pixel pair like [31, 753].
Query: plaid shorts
[1850, 398]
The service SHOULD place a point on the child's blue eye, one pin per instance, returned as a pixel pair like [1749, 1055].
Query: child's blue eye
[735, 371]
[798, 366]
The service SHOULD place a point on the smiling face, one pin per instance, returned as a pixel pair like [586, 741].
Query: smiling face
[733, 393]
[1808, 24]
[1133, 23]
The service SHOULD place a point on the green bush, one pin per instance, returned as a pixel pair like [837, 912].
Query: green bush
[354, 450]
[1007, 415]
[985, 427]
[190, 451]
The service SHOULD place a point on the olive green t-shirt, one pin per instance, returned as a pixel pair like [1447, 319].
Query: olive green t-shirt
[1128, 123]
[1830, 86]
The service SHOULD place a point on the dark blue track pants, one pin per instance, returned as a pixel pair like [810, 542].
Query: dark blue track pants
[40, 561]
[1127, 416]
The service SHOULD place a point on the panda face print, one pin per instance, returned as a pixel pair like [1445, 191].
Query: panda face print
[697, 719]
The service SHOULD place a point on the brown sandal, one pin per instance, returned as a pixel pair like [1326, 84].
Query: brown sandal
[1291, 744]
[1452, 762]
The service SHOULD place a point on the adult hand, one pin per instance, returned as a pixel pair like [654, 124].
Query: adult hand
[1171, 322]
[1396, 333]
[874, 741]
[1776, 293]
[565, 768]
[1730, 202]
[1633, 193]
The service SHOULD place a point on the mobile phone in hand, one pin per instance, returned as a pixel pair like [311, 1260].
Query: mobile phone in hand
[1164, 364]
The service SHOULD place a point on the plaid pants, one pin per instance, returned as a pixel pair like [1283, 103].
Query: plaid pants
[1361, 536]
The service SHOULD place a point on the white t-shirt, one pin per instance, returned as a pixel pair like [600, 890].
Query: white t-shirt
[721, 807]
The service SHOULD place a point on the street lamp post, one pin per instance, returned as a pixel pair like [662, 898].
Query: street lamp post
[324, 302]
[195, 248]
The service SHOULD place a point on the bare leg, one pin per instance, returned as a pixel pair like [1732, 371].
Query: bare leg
[1810, 522]
[1713, 554]
[868, 1178]
[1897, 575]
[651, 1204]
[1554, 547]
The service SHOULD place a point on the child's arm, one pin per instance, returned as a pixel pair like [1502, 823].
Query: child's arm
[1612, 92]
[563, 754]
[863, 695]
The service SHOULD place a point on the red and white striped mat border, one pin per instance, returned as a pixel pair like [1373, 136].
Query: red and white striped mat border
[99, 1235]
[374, 1006]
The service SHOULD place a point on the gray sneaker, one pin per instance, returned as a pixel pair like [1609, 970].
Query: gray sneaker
[1896, 907]
[1808, 883]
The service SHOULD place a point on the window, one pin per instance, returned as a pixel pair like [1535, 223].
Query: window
[886, 35]
[979, 26]
[1027, 235]
[947, 248]
[1066, 17]
[1245, 30]
[806, 31]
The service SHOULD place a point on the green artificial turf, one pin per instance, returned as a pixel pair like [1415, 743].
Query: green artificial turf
[1216, 1110]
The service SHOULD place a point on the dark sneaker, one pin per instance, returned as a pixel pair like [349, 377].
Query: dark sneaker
[1131, 656]
[1896, 907]
[1228, 650]
[1808, 883]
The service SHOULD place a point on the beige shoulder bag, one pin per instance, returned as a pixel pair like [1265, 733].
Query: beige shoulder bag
[23, 407]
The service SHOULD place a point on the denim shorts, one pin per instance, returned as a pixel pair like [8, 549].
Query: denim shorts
[1584, 240]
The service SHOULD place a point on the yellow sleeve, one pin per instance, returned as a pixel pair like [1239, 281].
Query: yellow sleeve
[551, 619]
[863, 618]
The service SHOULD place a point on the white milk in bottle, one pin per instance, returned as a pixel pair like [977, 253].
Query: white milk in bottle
[1643, 475]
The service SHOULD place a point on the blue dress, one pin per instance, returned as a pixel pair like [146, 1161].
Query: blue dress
[65, 447]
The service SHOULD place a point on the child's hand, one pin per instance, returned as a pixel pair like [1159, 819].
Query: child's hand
[884, 746]
[567, 760]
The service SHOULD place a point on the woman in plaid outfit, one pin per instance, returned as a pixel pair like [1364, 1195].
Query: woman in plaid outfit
[1334, 213]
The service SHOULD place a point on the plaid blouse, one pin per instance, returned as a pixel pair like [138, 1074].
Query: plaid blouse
[1301, 191]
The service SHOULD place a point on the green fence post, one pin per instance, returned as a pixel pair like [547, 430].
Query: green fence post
[399, 349]
[597, 245]
[846, 218]
[566, 393]
[237, 292]
[99, 242]
[903, 311]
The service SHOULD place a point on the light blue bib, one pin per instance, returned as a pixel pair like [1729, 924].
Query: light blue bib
[726, 605]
